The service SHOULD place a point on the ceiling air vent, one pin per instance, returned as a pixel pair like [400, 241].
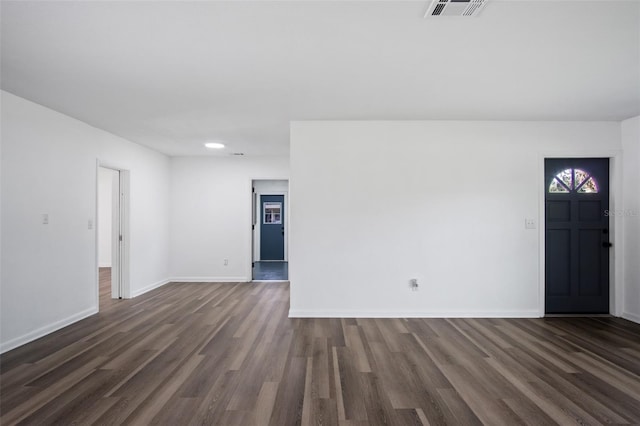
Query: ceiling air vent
[455, 7]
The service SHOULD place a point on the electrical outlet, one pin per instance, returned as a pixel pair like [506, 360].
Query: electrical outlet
[45, 219]
[226, 262]
[530, 224]
[90, 224]
[413, 283]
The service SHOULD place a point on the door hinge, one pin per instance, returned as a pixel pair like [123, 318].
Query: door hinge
[120, 238]
[253, 264]
[253, 227]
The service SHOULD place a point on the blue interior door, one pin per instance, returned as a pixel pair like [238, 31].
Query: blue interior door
[272, 227]
[577, 236]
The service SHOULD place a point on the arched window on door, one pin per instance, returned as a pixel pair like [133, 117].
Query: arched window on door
[573, 180]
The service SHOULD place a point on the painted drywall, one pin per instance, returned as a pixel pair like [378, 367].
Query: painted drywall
[376, 204]
[211, 215]
[105, 205]
[270, 187]
[49, 271]
[630, 213]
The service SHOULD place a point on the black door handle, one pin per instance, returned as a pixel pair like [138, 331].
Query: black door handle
[607, 244]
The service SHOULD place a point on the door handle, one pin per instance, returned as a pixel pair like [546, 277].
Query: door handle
[607, 244]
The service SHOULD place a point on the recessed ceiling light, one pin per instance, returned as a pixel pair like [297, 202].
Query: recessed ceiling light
[214, 145]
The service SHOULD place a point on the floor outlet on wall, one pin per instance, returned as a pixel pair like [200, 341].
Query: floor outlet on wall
[413, 283]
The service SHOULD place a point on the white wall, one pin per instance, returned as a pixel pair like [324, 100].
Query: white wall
[49, 272]
[377, 203]
[270, 187]
[631, 214]
[105, 205]
[211, 214]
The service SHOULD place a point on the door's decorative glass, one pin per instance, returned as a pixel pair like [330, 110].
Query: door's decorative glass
[556, 186]
[566, 177]
[589, 186]
[573, 180]
[272, 213]
[581, 176]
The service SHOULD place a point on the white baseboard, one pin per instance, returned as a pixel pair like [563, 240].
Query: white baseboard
[48, 329]
[631, 317]
[104, 265]
[210, 279]
[150, 287]
[411, 314]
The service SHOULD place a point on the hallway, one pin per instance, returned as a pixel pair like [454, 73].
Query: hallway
[271, 271]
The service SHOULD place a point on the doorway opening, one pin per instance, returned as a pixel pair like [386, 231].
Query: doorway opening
[112, 236]
[577, 236]
[270, 211]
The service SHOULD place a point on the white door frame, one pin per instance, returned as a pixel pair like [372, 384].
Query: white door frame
[255, 211]
[616, 253]
[120, 247]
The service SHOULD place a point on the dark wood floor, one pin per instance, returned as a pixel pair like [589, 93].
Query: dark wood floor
[106, 302]
[226, 354]
[271, 271]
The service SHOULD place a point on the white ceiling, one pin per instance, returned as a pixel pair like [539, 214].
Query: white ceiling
[172, 75]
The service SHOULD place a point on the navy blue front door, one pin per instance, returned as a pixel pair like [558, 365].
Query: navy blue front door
[577, 236]
[272, 227]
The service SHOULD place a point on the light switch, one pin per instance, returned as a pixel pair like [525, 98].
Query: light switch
[530, 224]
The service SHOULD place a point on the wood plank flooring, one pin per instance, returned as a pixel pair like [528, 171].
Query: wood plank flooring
[226, 354]
[106, 302]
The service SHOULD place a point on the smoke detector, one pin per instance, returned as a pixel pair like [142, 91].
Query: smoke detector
[455, 7]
